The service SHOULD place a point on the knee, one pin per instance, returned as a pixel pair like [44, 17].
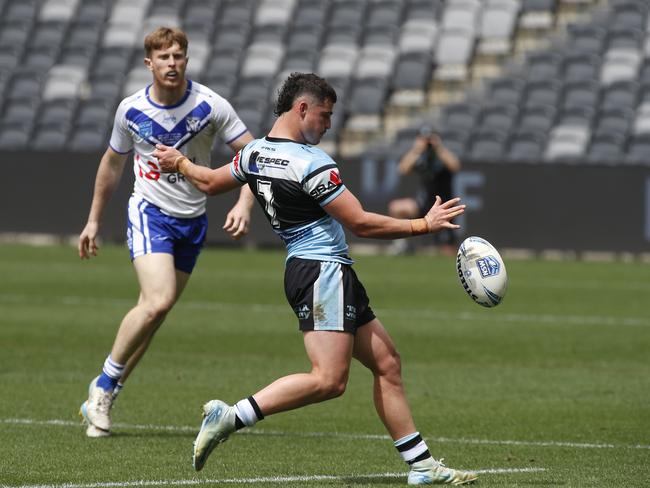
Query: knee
[156, 310]
[332, 387]
[390, 367]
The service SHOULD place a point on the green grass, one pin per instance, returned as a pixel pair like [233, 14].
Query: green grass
[556, 378]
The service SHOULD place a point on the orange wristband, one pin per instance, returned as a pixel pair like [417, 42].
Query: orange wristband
[179, 165]
[419, 227]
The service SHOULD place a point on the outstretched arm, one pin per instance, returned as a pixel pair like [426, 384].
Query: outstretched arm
[347, 209]
[108, 176]
[207, 180]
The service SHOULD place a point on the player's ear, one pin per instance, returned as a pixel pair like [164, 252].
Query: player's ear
[148, 64]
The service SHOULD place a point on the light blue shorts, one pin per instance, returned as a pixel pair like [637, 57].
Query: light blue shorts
[150, 231]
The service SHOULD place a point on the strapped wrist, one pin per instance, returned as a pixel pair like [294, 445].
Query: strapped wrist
[419, 227]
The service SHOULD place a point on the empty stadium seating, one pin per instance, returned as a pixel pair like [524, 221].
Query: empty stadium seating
[391, 61]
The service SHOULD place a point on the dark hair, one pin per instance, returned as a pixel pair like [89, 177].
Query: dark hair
[164, 37]
[303, 83]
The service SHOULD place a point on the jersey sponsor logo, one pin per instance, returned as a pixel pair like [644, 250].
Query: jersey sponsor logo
[235, 161]
[324, 188]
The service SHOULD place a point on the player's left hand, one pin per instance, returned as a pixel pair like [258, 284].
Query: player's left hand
[168, 158]
[237, 221]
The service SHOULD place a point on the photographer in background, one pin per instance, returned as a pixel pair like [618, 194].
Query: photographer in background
[436, 165]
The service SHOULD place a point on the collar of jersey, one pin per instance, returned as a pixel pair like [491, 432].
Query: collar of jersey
[280, 139]
[179, 103]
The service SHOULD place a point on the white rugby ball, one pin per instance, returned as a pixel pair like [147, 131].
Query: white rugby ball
[481, 271]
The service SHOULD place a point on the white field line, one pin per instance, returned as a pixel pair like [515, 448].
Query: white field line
[411, 312]
[265, 479]
[338, 435]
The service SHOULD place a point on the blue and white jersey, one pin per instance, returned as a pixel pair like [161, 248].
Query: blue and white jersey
[190, 126]
[292, 182]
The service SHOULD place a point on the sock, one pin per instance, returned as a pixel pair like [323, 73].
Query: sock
[412, 448]
[111, 374]
[117, 389]
[247, 413]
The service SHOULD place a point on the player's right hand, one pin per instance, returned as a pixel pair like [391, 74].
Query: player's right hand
[88, 241]
[440, 215]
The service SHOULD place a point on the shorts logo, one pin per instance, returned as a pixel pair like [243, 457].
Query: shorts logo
[351, 312]
[488, 266]
[302, 311]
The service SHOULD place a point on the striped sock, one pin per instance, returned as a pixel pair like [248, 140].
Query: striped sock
[248, 413]
[412, 448]
[111, 374]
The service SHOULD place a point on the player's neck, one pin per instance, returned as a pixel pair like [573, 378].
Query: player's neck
[285, 129]
[162, 95]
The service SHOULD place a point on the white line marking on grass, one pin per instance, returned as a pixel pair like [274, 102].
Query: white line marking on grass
[265, 479]
[338, 435]
[266, 308]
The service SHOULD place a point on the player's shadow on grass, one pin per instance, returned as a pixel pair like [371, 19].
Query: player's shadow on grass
[144, 434]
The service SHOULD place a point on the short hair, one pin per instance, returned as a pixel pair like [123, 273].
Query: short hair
[164, 37]
[299, 84]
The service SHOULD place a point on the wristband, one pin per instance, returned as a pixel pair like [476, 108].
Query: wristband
[179, 164]
[419, 227]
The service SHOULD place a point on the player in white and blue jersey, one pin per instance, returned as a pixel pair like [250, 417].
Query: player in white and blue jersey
[166, 214]
[307, 204]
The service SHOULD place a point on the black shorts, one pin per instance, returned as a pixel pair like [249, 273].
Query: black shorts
[326, 295]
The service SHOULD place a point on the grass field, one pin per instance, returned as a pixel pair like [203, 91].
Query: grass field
[551, 388]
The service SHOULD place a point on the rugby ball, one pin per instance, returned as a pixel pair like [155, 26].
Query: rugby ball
[481, 271]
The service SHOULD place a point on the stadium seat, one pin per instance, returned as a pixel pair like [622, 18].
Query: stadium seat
[365, 104]
[15, 33]
[274, 12]
[232, 36]
[252, 113]
[497, 26]
[253, 88]
[121, 35]
[347, 13]
[46, 34]
[303, 61]
[452, 54]
[624, 38]
[106, 86]
[542, 92]
[223, 84]
[304, 38]
[268, 33]
[14, 136]
[127, 13]
[425, 10]
[614, 120]
[576, 115]
[81, 56]
[623, 94]
[20, 10]
[375, 61]
[168, 8]
[567, 143]
[526, 146]
[25, 83]
[385, 36]
[410, 81]
[537, 118]
[201, 11]
[49, 137]
[310, 13]
[58, 111]
[506, 90]
[537, 14]
[607, 148]
[418, 35]
[452, 139]
[344, 34]
[496, 116]
[638, 149]
[487, 145]
[620, 65]
[63, 82]
[40, 58]
[93, 11]
[461, 14]
[384, 13]
[262, 59]
[21, 110]
[460, 116]
[544, 65]
[199, 53]
[337, 60]
[84, 33]
[236, 12]
[113, 59]
[95, 111]
[580, 66]
[587, 38]
[58, 10]
[10, 55]
[584, 93]
[88, 138]
[629, 15]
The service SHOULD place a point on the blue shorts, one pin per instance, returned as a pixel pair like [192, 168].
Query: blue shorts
[150, 231]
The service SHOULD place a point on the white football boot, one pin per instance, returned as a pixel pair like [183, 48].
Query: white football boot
[432, 472]
[96, 411]
[218, 423]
